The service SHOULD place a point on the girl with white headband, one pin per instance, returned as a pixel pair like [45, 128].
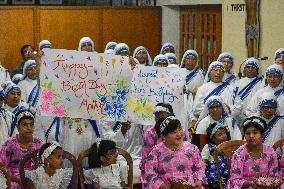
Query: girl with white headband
[246, 87]
[105, 171]
[50, 175]
[253, 159]
[274, 77]
[150, 137]
[217, 134]
[17, 146]
[173, 160]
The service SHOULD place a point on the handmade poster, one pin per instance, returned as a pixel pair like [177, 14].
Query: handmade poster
[87, 85]
[151, 85]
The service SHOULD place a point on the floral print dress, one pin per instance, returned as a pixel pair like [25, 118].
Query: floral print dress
[244, 168]
[164, 165]
[11, 154]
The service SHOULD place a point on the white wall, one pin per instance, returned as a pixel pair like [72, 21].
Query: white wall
[271, 30]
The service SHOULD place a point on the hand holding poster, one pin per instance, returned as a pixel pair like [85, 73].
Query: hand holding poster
[151, 85]
[85, 85]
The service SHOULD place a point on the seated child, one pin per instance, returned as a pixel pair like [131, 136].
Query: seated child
[50, 175]
[216, 133]
[104, 170]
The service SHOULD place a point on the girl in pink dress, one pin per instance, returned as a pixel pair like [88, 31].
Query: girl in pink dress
[150, 137]
[252, 159]
[20, 144]
[173, 160]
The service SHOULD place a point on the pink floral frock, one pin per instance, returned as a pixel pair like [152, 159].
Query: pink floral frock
[164, 165]
[244, 168]
[11, 153]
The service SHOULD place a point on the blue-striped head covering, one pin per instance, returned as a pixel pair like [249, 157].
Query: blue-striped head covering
[267, 99]
[2, 95]
[226, 56]
[44, 44]
[279, 53]
[28, 65]
[213, 66]
[171, 56]
[11, 87]
[86, 40]
[216, 100]
[211, 101]
[216, 128]
[109, 51]
[17, 78]
[167, 46]
[121, 47]
[189, 53]
[253, 62]
[110, 45]
[274, 69]
[159, 58]
[140, 49]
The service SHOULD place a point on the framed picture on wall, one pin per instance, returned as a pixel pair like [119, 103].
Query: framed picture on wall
[3, 2]
[50, 2]
[23, 2]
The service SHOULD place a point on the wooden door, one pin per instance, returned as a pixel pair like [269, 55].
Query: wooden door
[201, 30]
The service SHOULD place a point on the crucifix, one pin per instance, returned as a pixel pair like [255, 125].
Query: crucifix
[252, 28]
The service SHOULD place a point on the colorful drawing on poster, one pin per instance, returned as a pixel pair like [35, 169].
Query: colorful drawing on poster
[84, 85]
[151, 85]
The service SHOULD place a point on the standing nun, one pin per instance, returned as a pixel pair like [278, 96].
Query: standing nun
[167, 48]
[214, 85]
[86, 44]
[248, 85]
[142, 55]
[228, 60]
[195, 75]
[274, 78]
[161, 61]
[29, 85]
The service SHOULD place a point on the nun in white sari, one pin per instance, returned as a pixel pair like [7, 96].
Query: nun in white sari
[246, 87]
[29, 85]
[268, 111]
[216, 111]
[228, 60]
[143, 56]
[195, 75]
[274, 78]
[214, 85]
